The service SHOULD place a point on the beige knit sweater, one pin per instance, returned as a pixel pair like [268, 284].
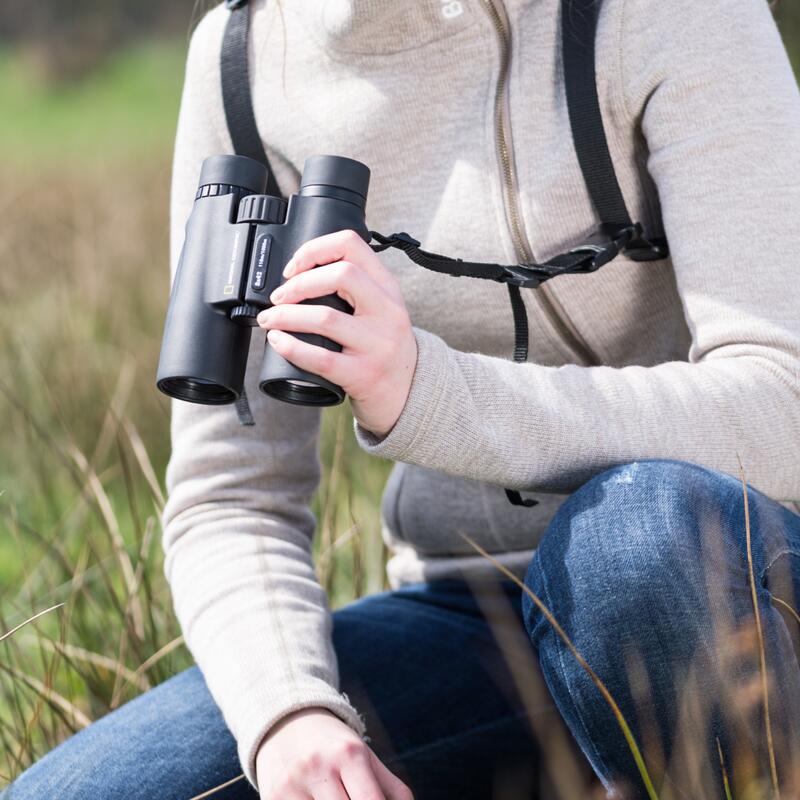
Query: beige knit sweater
[694, 357]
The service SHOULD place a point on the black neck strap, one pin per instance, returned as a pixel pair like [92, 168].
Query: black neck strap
[588, 257]
[236, 97]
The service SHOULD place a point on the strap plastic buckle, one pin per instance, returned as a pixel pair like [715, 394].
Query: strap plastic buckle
[634, 243]
[608, 241]
[393, 240]
[643, 249]
[520, 275]
[597, 254]
[404, 237]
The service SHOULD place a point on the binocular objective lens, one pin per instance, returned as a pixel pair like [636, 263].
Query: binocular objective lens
[293, 390]
[197, 390]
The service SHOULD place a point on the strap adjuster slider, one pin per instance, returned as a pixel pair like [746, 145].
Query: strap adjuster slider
[404, 237]
[521, 275]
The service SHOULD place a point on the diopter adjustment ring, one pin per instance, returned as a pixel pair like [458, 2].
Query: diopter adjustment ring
[262, 209]
[216, 189]
[245, 314]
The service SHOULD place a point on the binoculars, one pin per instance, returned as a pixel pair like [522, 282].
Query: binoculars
[238, 240]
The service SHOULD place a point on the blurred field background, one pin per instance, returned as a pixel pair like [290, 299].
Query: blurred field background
[89, 96]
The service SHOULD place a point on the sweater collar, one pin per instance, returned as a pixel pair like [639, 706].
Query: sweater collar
[378, 27]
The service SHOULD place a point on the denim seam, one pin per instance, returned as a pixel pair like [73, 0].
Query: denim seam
[446, 739]
[790, 551]
[560, 649]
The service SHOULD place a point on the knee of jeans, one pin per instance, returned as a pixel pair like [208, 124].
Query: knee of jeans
[631, 543]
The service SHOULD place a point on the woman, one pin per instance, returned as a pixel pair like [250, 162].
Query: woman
[646, 383]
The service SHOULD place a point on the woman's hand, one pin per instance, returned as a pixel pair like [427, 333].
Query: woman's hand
[312, 755]
[379, 351]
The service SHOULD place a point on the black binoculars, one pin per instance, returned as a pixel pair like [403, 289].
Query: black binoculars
[238, 240]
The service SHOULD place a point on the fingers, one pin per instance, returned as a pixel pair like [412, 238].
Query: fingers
[285, 789]
[288, 794]
[341, 246]
[328, 788]
[359, 778]
[378, 348]
[350, 282]
[305, 318]
[312, 755]
[392, 786]
[335, 367]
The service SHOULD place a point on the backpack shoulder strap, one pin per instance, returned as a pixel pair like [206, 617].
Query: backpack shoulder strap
[578, 34]
[236, 97]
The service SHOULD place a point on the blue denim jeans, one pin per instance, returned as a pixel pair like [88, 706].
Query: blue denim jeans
[469, 692]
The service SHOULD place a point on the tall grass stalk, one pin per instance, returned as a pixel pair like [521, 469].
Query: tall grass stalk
[7, 634]
[216, 789]
[725, 781]
[762, 654]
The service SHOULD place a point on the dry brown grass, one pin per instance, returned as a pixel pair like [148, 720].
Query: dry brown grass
[84, 452]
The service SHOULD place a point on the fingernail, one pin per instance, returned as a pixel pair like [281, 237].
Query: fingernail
[262, 317]
[274, 335]
[277, 296]
[288, 269]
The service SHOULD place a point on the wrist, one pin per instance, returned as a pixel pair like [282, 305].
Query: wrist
[288, 719]
[421, 408]
[379, 415]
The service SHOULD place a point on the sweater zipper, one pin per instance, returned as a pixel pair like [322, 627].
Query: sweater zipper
[549, 303]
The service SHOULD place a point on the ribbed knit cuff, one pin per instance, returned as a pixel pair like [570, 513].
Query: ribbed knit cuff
[251, 735]
[427, 389]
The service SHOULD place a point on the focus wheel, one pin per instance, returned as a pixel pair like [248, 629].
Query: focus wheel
[261, 208]
[245, 314]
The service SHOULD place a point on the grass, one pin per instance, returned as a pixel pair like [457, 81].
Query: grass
[125, 109]
[85, 444]
[85, 439]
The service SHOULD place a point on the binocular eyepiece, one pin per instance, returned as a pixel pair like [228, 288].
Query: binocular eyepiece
[238, 240]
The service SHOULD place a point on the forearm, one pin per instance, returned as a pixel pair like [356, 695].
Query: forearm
[255, 619]
[711, 90]
[237, 541]
[527, 426]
